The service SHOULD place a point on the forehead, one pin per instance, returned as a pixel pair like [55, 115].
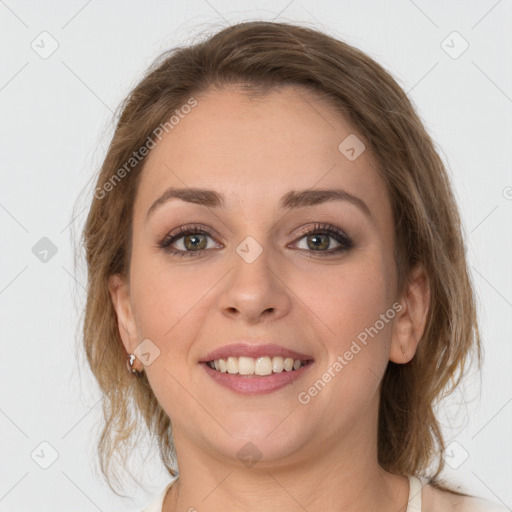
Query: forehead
[256, 150]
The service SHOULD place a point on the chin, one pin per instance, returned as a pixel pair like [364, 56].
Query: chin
[260, 443]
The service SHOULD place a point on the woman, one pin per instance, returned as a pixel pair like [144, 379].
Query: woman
[274, 249]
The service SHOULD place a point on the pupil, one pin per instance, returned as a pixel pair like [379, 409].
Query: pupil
[320, 239]
[193, 241]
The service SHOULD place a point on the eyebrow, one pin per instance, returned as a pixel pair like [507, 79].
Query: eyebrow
[290, 200]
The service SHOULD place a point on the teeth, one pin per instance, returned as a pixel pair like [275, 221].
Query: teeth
[288, 364]
[256, 366]
[246, 365]
[277, 364]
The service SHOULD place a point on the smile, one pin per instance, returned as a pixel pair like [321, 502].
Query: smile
[261, 366]
[252, 383]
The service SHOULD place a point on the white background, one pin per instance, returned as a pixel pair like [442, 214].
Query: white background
[55, 123]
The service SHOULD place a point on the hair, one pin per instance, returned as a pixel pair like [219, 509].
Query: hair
[263, 56]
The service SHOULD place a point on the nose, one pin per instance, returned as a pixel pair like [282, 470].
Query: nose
[255, 290]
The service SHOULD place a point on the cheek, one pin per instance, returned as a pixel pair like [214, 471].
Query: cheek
[161, 296]
[349, 298]
[355, 305]
[170, 307]
[357, 342]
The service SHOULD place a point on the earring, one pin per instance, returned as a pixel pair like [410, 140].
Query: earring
[129, 365]
[405, 355]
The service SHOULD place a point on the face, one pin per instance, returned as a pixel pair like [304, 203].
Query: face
[311, 276]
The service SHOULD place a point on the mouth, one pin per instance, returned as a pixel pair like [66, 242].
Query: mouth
[251, 351]
[255, 369]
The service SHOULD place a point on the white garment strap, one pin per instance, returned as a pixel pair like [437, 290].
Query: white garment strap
[415, 487]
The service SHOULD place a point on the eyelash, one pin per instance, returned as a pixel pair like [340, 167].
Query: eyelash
[319, 228]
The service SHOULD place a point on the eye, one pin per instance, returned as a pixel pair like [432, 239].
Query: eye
[318, 238]
[193, 240]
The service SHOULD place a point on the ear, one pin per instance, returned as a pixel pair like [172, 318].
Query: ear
[410, 321]
[119, 290]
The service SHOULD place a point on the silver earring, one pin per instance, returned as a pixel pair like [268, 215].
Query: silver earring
[129, 365]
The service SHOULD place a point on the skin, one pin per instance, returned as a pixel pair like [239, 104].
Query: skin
[319, 456]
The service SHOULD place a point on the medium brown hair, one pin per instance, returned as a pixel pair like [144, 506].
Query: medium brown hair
[262, 56]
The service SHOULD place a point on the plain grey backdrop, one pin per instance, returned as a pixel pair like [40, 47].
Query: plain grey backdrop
[64, 68]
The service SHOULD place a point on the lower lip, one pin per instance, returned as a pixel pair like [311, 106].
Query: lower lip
[255, 384]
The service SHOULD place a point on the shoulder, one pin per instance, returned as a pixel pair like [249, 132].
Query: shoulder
[434, 500]
[157, 504]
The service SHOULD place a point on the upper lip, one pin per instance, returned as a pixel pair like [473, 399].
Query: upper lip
[248, 350]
